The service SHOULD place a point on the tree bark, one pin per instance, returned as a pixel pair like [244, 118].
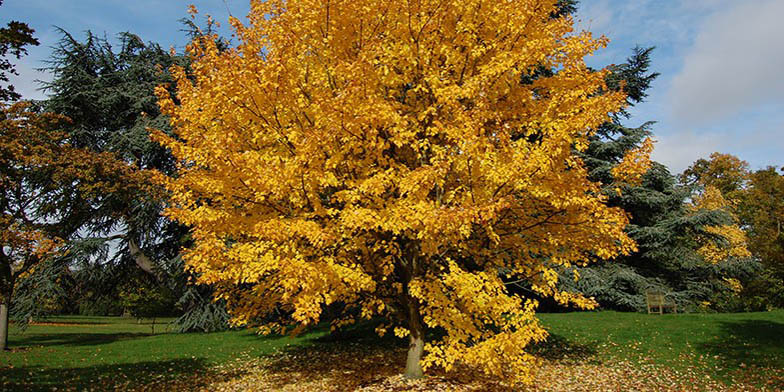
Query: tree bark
[416, 347]
[6, 303]
[7, 279]
[141, 259]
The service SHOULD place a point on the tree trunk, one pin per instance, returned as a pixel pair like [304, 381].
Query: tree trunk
[416, 347]
[4, 323]
[141, 259]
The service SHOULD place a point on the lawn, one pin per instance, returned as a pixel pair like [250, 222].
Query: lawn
[107, 353]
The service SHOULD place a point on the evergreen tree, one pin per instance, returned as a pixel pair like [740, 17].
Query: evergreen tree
[668, 229]
[109, 96]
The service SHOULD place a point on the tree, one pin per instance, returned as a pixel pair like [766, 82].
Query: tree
[109, 98]
[673, 235]
[108, 93]
[27, 150]
[385, 159]
[761, 209]
[142, 298]
[725, 172]
[36, 162]
[13, 40]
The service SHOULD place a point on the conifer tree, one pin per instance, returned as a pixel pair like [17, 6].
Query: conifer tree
[671, 232]
[108, 93]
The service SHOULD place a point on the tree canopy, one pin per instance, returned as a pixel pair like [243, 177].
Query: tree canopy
[385, 158]
[108, 94]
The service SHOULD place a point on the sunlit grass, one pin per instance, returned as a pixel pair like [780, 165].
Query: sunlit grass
[111, 352]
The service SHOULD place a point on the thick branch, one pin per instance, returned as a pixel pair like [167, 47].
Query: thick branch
[141, 259]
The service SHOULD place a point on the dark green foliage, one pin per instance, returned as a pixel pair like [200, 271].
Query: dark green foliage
[42, 293]
[662, 223]
[633, 76]
[200, 312]
[13, 39]
[565, 7]
[109, 95]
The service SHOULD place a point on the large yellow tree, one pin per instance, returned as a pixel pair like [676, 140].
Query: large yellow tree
[395, 159]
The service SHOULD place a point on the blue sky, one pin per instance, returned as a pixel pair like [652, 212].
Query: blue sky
[721, 88]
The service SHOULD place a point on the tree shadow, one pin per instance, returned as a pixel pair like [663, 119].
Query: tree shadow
[47, 323]
[74, 339]
[559, 348]
[356, 357]
[178, 374]
[346, 359]
[343, 366]
[747, 343]
[362, 333]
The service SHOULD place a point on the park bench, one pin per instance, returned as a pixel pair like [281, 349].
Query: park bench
[658, 300]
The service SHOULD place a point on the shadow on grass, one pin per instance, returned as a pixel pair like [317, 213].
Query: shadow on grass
[56, 323]
[74, 339]
[179, 374]
[747, 343]
[558, 348]
[357, 357]
[345, 359]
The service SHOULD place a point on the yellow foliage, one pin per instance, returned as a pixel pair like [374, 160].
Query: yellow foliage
[734, 285]
[635, 163]
[724, 241]
[385, 157]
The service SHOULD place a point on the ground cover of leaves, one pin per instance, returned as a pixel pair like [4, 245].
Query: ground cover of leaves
[355, 367]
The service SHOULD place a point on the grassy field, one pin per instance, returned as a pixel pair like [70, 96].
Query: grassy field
[105, 353]
[718, 343]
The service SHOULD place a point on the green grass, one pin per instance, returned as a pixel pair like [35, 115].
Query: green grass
[719, 344]
[120, 351]
[109, 352]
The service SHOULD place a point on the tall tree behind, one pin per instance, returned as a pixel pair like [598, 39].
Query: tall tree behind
[762, 210]
[668, 230]
[109, 96]
[758, 200]
[725, 172]
[36, 164]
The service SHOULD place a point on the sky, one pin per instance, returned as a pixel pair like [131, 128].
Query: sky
[721, 86]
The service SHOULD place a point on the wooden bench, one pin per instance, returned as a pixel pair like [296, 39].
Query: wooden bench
[657, 299]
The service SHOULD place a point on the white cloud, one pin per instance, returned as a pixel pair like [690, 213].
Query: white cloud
[678, 151]
[755, 139]
[594, 16]
[734, 65]
[26, 82]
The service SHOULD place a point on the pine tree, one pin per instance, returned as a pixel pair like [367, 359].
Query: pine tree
[108, 93]
[668, 229]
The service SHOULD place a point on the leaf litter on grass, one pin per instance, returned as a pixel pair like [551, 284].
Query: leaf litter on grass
[356, 368]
